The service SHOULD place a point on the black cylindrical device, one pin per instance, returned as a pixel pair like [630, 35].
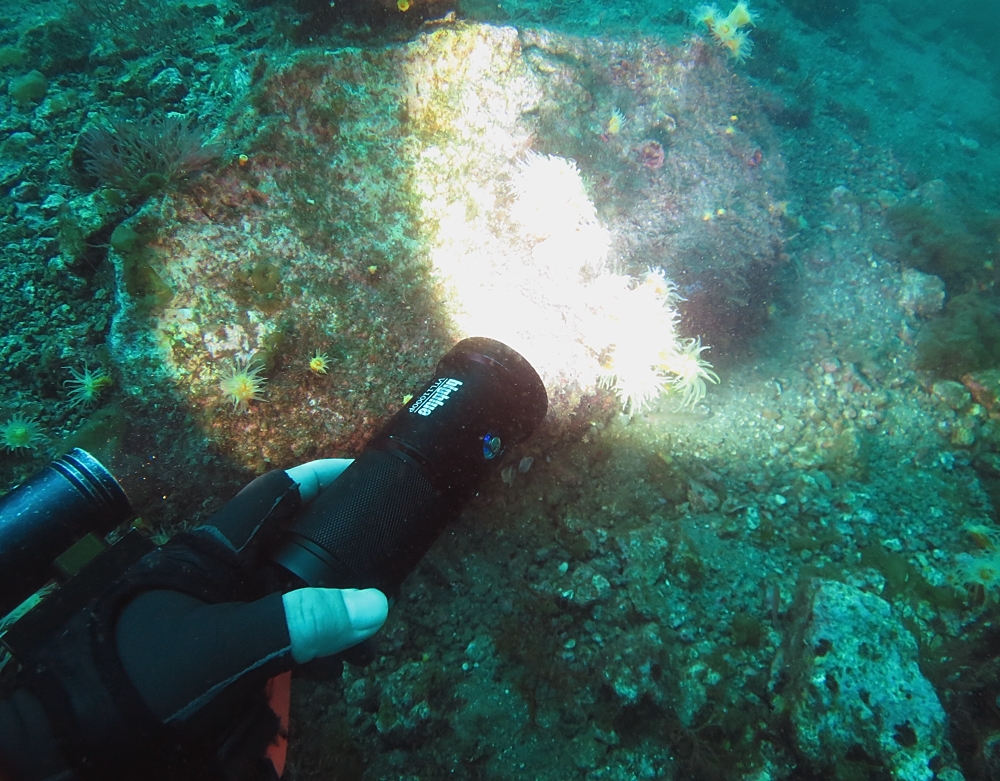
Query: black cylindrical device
[376, 521]
[41, 518]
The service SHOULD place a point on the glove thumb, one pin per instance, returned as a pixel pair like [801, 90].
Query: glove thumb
[325, 621]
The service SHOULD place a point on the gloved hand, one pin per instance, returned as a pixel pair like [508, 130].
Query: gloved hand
[164, 675]
[322, 622]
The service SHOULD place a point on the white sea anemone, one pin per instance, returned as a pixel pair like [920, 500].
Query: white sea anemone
[689, 371]
[550, 196]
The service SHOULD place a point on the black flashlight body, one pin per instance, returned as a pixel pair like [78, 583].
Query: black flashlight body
[39, 519]
[376, 521]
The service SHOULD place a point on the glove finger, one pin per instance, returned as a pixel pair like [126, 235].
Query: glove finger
[314, 476]
[253, 514]
[268, 502]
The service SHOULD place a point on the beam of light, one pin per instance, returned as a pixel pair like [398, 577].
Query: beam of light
[516, 241]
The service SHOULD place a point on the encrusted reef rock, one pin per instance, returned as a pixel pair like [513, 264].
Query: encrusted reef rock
[921, 294]
[692, 181]
[856, 693]
[405, 714]
[477, 180]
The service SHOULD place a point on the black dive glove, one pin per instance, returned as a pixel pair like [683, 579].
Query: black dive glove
[163, 677]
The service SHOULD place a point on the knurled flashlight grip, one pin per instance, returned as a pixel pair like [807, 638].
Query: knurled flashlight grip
[358, 534]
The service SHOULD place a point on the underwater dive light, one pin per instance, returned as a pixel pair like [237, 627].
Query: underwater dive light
[376, 521]
[39, 519]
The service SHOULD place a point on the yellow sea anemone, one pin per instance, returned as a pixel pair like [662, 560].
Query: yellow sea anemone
[705, 14]
[739, 45]
[20, 433]
[980, 575]
[741, 16]
[722, 31]
[243, 383]
[86, 386]
[726, 29]
[319, 363]
[615, 122]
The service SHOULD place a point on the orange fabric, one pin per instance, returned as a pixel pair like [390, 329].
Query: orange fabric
[279, 696]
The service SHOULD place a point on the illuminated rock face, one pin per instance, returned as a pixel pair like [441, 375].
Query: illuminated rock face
[392, 201]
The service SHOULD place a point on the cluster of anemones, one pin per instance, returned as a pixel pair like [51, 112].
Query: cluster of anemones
[727, 30]
[644, 357]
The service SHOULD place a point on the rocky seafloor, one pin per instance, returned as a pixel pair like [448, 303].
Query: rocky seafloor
[795, 577]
